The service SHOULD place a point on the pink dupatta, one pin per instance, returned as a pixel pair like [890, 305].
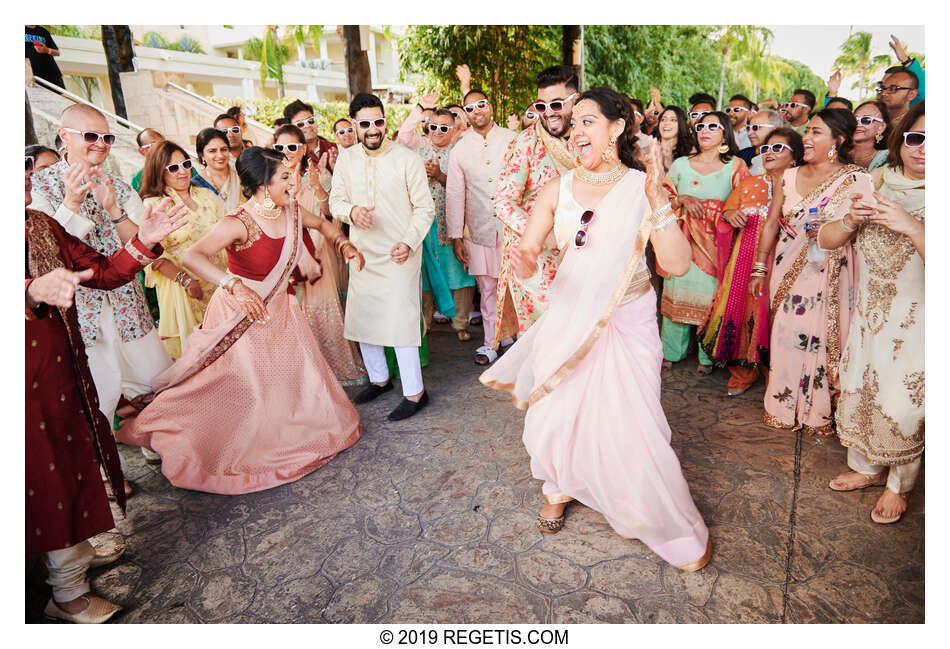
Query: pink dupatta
[205, 346]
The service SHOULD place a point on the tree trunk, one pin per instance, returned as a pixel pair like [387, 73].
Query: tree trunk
[358, 78]
[30, 132]
[117, 43]
[572, 50]
[722, 78]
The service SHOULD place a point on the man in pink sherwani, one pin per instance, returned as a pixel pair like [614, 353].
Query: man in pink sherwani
[475, 165]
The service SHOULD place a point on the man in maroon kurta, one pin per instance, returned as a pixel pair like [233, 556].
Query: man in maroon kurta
[66, 434]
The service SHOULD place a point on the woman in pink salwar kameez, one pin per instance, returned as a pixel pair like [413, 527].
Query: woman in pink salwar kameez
[588, 372]
[251, 403]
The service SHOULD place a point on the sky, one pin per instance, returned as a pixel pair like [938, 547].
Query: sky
[818, 46]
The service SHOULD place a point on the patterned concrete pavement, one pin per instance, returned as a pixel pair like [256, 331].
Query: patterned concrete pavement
[432, 520]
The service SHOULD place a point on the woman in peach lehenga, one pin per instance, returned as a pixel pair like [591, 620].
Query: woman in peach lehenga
[252, 403]
[588, 371]
[320, 299]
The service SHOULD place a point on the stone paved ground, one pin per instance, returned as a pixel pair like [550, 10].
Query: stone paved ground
[432, 520]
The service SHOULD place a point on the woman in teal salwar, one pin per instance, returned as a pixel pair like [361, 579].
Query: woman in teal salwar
[698, 185]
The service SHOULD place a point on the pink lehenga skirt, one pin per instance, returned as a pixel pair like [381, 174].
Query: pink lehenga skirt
[602, 438]
[266, 412]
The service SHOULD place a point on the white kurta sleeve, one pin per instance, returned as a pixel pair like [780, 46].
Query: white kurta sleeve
[134, 207]
[340, 198]
[75, 224]
[420, 199]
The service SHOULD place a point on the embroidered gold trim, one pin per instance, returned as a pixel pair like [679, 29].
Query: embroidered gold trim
[140, 258]
[504, 387]
[254, 231]
[789, 279]
[774, 422]
[832, 311]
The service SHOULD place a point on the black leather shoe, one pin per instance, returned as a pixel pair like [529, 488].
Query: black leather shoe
[372, 391]
[408, 408]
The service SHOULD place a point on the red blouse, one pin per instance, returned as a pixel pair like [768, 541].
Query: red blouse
[256, 257]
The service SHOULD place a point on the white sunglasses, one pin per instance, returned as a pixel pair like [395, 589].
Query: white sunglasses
[712, 126]
[288, 147]
[470, 108]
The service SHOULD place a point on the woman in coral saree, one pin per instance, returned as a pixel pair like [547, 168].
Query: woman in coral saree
[252, 403]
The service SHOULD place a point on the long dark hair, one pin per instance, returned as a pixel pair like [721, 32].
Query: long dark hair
[842, 125]
[256, 168]
[896, 140]
[727, 137]
[297, 133]
[685, 140]
[153, 177]
[880, 145]
[615, 106]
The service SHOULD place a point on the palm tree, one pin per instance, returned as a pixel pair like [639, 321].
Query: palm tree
[272, 53]
[735, 43]
[758, 67]
[855, 58]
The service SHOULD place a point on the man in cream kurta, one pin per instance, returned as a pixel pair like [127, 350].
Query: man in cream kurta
[381, 189]
[477, 234]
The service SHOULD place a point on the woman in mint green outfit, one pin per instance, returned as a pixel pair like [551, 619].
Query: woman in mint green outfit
[698, 185]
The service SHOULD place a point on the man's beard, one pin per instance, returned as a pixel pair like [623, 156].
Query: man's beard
[564, 131]
[374, 146]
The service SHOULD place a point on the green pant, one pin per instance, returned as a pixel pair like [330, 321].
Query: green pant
[675, 337]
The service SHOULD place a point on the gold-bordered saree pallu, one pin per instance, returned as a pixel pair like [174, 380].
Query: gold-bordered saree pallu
[598, 279]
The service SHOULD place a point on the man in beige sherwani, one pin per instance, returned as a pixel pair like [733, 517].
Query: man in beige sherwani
[381, 189]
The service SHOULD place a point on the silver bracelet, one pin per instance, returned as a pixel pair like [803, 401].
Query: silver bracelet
[224, 280]
[846, 228]
[664, 224]
[662, 211]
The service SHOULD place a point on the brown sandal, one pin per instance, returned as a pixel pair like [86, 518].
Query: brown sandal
[463, 335]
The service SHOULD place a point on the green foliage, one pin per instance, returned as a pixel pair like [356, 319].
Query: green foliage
[503, 59]
[76, 31]
[267, 110]
[183, 44]
[678, 59]
[802, 77]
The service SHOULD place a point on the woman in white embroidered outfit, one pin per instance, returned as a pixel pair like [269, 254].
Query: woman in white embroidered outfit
[182, 297]
[588, 372]
[251, 403]
[880, 415]
[319, 294]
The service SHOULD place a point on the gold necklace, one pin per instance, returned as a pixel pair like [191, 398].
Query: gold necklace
[605, 178]
[267, 209]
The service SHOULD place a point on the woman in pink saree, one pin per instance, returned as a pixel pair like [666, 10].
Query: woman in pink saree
[593, 358]
[251, 403]
[810, 290]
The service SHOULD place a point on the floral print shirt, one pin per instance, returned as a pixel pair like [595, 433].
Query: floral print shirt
[429, 152]
[129, 309]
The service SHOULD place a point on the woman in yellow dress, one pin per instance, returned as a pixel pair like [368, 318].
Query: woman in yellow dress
[182, 297]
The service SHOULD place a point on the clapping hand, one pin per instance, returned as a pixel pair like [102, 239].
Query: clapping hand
[57, 287]
[655, 174]
[160, 221]
[102, 188]
[76, 186]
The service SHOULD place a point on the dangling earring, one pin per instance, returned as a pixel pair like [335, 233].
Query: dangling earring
[833, 153]
[266, 209]
[608, 153]
[878, 137]
[723, 148]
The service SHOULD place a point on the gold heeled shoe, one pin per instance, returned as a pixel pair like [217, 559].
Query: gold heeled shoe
[701, 562]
